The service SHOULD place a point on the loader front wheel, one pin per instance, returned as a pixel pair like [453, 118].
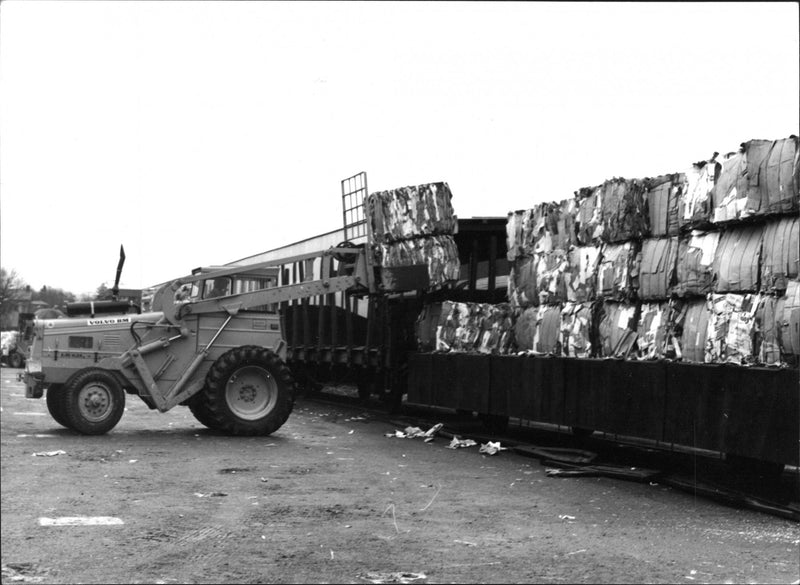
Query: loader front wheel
[198, 405]
[249, 391]
[93, 402]
[54, 397]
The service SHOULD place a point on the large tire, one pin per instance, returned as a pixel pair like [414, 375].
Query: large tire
[54, 397]
[15, 360]
[198, 405]
[249, 391]
[93, 402]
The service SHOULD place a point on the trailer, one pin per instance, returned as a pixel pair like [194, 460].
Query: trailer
[749, 414]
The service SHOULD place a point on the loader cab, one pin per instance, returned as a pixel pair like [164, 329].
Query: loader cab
[240, 283]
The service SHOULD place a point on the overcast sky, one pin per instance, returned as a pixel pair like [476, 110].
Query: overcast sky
[198, 133]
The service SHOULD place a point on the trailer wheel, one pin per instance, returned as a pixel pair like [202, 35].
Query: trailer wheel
[249, 391]
[54, 397]
[15, 360]
[198, 405]
[93, 402]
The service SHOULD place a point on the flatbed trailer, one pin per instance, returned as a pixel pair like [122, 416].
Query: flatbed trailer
[749, 414]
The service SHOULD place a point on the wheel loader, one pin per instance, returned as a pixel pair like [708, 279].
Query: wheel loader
[211, 341]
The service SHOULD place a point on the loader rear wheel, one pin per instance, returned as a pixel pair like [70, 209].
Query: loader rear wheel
[54, 397]
[93, 402]
[249, 391]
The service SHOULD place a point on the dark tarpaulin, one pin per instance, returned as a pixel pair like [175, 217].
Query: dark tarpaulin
[657, 268]
[780, 255]
[737, 259]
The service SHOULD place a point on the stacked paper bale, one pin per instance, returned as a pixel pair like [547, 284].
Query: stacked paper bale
[452, 326]
[614, 218]
[540, 241]
[753, 302]
[415, 225]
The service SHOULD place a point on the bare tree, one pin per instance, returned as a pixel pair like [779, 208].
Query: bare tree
[11, 289]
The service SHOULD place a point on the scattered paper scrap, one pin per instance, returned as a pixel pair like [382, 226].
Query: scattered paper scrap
[492, 448]
[566, 517]
[20, 573]
[414, 432]
[396, 577]
[49, 453]
[210, 495]
[457, 443]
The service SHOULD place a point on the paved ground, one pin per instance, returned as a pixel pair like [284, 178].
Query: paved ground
[330, 498]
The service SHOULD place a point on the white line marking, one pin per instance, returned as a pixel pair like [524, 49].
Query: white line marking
[81, 521]
[32, 413]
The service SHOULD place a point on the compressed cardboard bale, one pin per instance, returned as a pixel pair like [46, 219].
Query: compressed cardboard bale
[497, 329]
[691, 329]
[618, 272]
[411, 212]
[696, 201]
[790, 322]
[523, 286]
[550, 273]
[624, 210]
[780, 254]
[772, 176]
[526, 231]
[537, 329]
[774, 322]
[456, 330]
[448, 323]
[560, 224]
[662, 197]
[548, 325]
[729, 196]
[575, 335]
[426, 326]
[657, 268]
[695, 263]
[580, 277]
[525, 328]
[589, 215]
[616, 329]
[737, 259]
[732, 330]
[653, 336]
[439, 253]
